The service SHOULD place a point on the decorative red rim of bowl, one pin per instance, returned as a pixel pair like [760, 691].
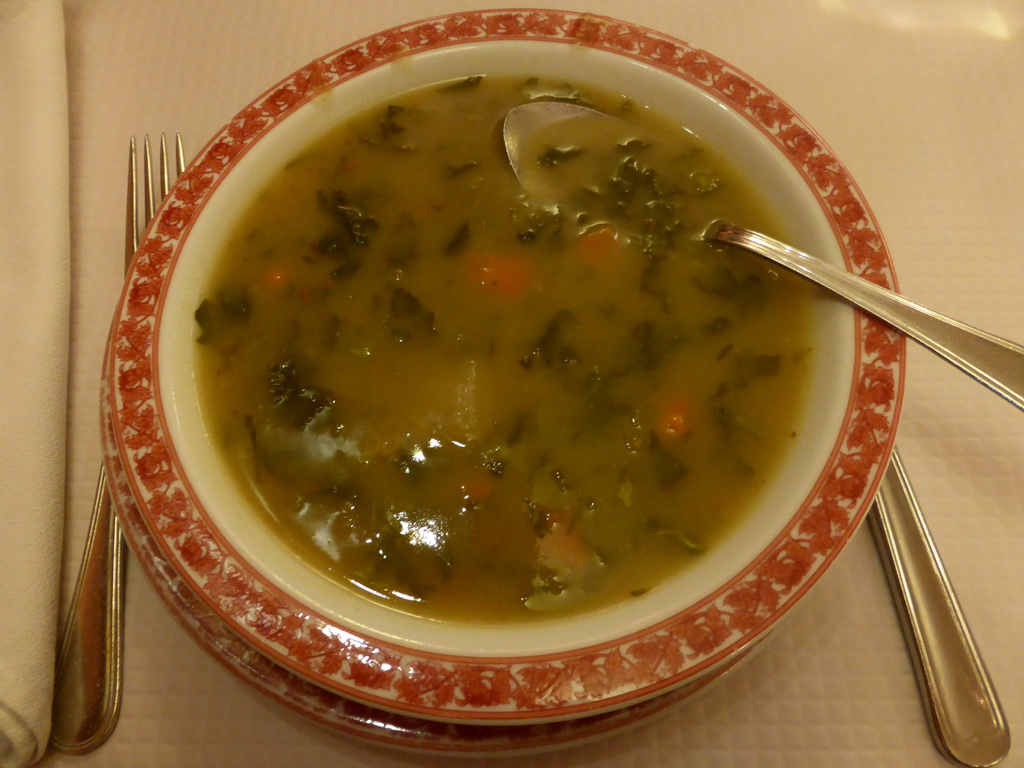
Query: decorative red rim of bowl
[577, 682]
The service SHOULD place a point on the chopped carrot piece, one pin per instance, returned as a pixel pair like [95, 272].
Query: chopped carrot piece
[562, 549]
[673, 421]
[275, 280]
[506, 273]
[477, 488]
[599, 244]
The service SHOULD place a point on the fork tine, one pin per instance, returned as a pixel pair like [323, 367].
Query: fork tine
[155, 183]
[131, 230]
[179, 155]
[165, 171]
[147, 182]
[166, 179]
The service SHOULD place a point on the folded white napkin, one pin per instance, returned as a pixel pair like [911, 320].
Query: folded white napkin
[34, 298]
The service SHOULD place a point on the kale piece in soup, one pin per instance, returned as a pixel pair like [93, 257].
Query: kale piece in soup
[472, 403]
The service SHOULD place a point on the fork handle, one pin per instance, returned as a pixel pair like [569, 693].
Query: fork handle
[87, 688]
[963, 709]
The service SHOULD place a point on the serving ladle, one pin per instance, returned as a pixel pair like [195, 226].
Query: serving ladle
[965, 715]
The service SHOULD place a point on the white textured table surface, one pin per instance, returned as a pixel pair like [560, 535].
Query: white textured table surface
[921, 99]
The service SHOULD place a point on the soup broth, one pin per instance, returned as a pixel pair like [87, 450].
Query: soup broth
[473, 402]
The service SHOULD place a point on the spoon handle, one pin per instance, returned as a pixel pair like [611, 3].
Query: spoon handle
[991, 360]
[965, 716]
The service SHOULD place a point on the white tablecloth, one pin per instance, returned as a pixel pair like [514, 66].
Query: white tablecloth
[921, 99]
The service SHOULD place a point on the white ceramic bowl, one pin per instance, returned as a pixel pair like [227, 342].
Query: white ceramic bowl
[698, 620]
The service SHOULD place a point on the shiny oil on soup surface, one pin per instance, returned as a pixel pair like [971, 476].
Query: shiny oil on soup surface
[471, 402]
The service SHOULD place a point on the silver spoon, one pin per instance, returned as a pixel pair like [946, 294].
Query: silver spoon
[965, 715]
[993, 361]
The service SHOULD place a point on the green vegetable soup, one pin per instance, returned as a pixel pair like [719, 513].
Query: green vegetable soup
[473, 403]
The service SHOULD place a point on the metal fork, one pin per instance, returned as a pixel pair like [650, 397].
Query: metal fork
[87, 690]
